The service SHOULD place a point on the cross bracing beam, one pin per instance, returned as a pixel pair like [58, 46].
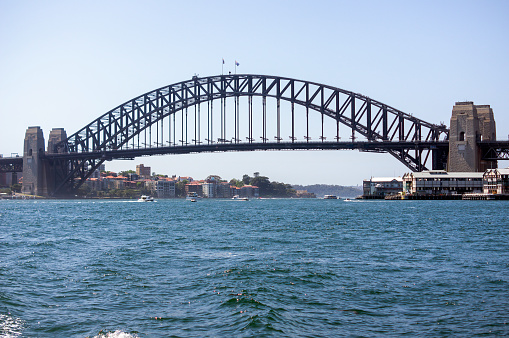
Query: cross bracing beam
[11, 164]
[494, 150]
[172, 116]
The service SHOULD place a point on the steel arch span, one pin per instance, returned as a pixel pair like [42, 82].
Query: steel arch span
[159, 122]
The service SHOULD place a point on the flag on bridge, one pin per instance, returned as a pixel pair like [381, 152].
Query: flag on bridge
[236, 63]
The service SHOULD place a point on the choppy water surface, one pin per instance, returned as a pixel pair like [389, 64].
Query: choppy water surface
[294, 268]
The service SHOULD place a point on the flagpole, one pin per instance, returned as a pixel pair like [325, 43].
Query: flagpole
[235, 67]
[222, 66]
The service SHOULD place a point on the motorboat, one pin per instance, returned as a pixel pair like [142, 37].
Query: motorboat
[330, 197]
[146, 198]
[237, 197]
[192, 196]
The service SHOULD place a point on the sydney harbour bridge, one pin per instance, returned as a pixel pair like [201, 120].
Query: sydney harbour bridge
[234, 113]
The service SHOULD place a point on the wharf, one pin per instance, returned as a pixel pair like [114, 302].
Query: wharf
[485, 197]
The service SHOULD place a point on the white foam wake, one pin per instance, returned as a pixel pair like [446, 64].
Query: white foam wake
[116, 334]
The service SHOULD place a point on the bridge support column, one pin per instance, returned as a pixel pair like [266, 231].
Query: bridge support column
[469, 125]
[54, 169]
[39, 174]
[33, 167]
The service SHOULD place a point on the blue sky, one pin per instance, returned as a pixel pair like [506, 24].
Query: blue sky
[64, 63]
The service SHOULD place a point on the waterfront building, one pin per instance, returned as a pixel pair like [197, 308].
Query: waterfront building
[234, 191]
[440, 182]
[223, 190]
[209, 189]
[249, 191]
[97, 172]
[194, 187]
[95, 184]
[10, 178]
[379, 187]
[496, 181]
[165, 188]
[143, 171]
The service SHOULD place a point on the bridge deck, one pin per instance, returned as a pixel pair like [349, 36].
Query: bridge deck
[222, 147]
[11, 164]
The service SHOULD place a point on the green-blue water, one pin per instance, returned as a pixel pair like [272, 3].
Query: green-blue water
[283, 268]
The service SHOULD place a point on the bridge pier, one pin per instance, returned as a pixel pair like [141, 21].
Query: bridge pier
[39, 175]
[469, 125]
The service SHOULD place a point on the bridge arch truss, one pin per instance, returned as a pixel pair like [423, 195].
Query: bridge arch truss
[174, 120]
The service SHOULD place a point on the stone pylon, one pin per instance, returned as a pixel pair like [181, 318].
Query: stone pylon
[469, 125]
[38, 173]
[33, 168]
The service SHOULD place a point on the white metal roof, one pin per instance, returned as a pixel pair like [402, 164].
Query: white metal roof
[385, 179]
[444, 174]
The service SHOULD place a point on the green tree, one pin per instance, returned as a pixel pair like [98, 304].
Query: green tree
[215, 178]
[83, 191]
[16, 187]
[246, 179]
[180, 188]
[126, 173]
[263, 183]
[236, 182]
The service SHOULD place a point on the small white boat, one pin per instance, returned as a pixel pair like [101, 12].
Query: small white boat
[145, 198]
[330, 197]
[192, 199]
[237, 197]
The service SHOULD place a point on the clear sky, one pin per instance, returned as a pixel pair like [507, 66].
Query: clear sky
[65, 63]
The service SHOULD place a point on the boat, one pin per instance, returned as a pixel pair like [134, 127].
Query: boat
[192, 196]
[145, 198]
[237, 197]
[330, 197]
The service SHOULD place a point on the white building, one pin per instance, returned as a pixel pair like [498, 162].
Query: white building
[209, 189]
[382, 186]
[496, 181]
[440, 182]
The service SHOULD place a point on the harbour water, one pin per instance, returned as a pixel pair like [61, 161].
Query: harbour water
[261, 268]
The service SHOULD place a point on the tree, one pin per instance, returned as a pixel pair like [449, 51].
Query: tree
[126, 173]
[246, 179]
[180, 188]
[16, 187]
[215, 178]
[263, 183]
[236, 182]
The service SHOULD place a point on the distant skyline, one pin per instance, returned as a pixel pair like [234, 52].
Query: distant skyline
[63, 64]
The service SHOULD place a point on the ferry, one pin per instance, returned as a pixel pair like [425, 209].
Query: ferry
[145, 198]
[330, 197]
[192, 196]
